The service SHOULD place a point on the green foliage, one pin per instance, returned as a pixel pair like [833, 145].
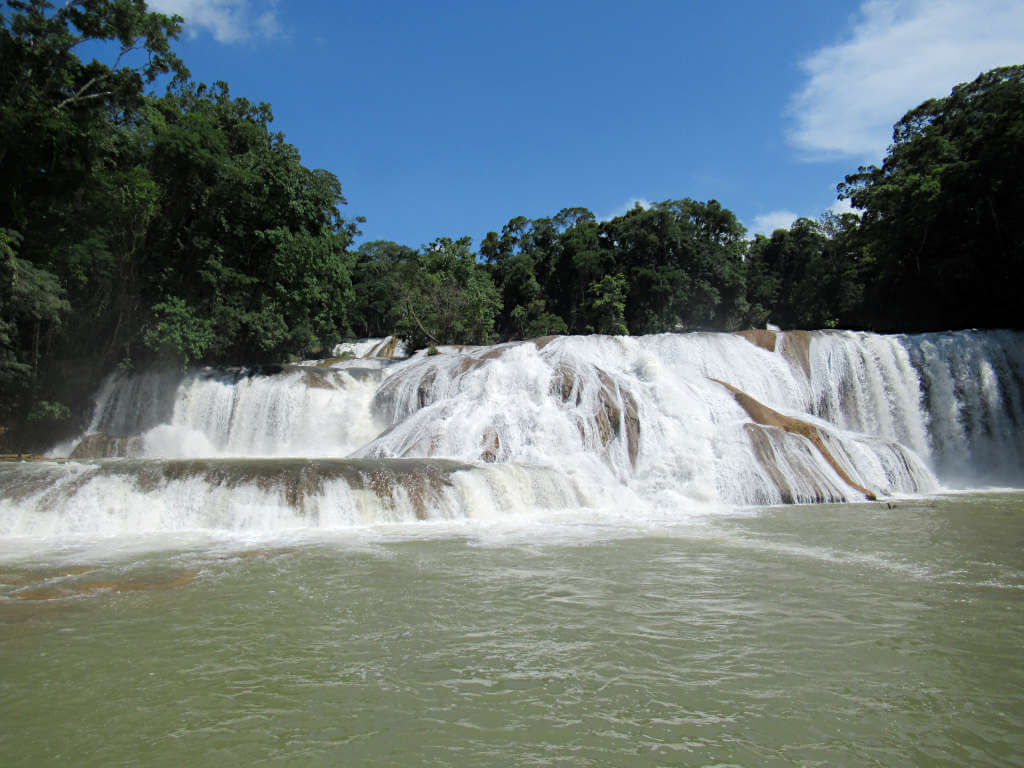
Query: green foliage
[135, 228]
[608, 305]
[377, 280]
[55, 110]
[177, 334]
[445, 297]
[249, 238]
[942, 230]
[32, 307]
[678, 264]
[807, 276]
[49, 411]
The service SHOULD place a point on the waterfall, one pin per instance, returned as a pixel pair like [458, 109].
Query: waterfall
[972, 388]
[653, 427]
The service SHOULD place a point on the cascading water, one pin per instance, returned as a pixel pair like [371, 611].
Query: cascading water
[648, 428]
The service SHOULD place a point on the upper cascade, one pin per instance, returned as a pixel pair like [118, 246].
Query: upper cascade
[656, 422]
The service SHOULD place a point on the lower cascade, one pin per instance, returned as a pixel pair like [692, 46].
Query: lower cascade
[650, 427]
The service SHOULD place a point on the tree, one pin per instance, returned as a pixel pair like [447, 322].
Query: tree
[249, 240]
[527, 264]
[683, 265]
[376, 283]
[942, 231]
[608, 306]
[135, 228]
[55, 108]
[807, 276]
[446, 297]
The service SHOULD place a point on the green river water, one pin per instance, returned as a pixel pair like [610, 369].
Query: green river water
[810, 635]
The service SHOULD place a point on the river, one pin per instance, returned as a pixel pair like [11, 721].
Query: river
[801, 635]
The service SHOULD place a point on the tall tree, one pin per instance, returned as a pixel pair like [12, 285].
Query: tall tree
[446, 297]
[61, 203]
[250, 241]
[807, 276]
[683, 263]
[56, 108]
[942, 226]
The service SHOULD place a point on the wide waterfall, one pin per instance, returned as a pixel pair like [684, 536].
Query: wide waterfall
[656, 428]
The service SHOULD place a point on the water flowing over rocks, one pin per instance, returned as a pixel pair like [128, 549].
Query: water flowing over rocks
[672, 423]
[97, 445]
[765, 416]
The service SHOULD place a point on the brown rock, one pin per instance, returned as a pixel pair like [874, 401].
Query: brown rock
[760, 338]
[491, 445]
[762, 414]
[795, 346]
[101, 446]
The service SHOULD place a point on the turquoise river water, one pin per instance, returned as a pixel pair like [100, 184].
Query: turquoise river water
[801, 635]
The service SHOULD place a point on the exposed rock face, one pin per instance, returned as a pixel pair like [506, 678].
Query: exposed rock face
[100, 446]
[616, 415]
[795, 346]
[543, 341]
[760, 338]
[762, 414]
[421, 483]
[320, 378]
[387, 349]
[490, 445]
[809, 487]
[792, 345]
[563, 384]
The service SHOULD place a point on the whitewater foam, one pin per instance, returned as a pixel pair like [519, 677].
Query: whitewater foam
[647, 428]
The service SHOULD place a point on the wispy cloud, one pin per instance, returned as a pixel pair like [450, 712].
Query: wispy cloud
[898, 54]
[229, 21]
[627, 206]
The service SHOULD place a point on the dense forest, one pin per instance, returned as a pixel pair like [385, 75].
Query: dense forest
[141, 229]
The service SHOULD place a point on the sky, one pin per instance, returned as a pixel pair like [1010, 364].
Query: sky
[451, 117]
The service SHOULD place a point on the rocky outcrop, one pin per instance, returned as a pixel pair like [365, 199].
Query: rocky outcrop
[394, 482]
[760, 338]
[490, 445]
[420, 482]
[101, 446]
[387, 348]
[795, 346]
[765, 416]
[616, 414]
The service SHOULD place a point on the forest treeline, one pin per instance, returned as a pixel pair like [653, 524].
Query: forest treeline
[179, 228]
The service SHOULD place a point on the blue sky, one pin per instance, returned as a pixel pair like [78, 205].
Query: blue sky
[450, 118]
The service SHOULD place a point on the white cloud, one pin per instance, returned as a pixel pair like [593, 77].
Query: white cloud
[839, 207]
[627, 206]
[767, 223]
[898, 54]
[229, 21]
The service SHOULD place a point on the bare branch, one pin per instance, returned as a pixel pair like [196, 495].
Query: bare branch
[77, 96]
[75, 99]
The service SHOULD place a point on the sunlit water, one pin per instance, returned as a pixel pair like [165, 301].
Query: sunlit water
[806, 635]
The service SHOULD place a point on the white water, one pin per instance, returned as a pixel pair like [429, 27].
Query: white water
[636, 428]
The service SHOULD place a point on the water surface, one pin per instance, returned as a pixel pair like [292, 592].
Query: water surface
[808, 635]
